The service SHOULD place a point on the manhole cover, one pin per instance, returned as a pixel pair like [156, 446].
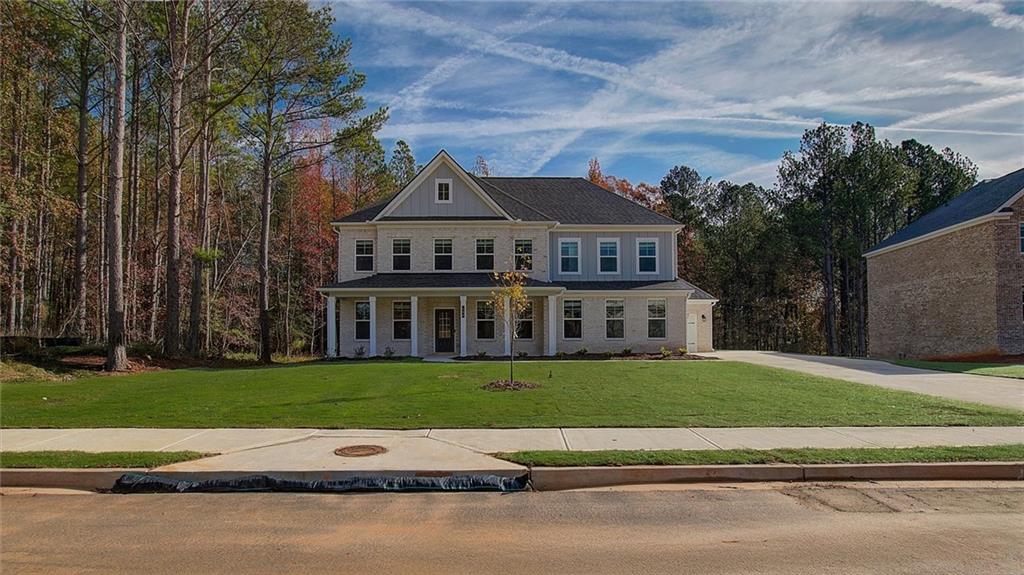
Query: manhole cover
[360, 450]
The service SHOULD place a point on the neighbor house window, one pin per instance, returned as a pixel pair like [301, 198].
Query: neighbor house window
[362, 320]
[524, 255]
[485, 320]
[647, 255]
[572, 319]
[656, 319]
[364, 255]
[402, 319]
[442, 254]
[1022, 238]
[569, 256]
[401, 255]
[614, 319]
[485, 254]
[444, 191]
[608, 256]
[524, 326]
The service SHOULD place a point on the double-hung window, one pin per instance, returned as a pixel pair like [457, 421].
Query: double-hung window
[401, 254]
[572, 319]
[485, 254]
[614, 319]
[485, 320]
[401, 316]
[442, 254]
[362, 320]
[569, 256]
[443, 189]
[524, 255]
[1022, 238]
[607, 256]
[656, 319]
[364, 255]
[524, 325]
[647, 255]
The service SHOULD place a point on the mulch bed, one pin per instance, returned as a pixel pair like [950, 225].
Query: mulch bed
[506, 385]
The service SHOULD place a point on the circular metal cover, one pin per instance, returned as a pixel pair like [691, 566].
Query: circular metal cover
[360, 450]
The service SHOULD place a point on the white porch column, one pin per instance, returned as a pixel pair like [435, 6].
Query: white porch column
[552, 324]
[508, 324]
[373, 326]
[462, 325]
[332, 327]
[414, 337]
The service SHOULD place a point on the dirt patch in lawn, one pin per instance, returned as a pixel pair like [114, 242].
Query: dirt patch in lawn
[507, 385]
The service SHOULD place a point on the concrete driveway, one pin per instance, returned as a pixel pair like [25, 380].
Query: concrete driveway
[997, 391]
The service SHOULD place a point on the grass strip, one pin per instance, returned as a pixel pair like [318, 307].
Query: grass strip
[990, 369]
[806, 456]
[83, 459]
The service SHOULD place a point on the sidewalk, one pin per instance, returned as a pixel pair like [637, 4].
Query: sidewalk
[989, 390]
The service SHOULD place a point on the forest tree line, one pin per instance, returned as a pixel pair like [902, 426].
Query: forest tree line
[169, 171]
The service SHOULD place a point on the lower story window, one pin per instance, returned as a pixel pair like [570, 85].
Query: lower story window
[484, 320]
[615, 319]
[656, 319]
[572, 319]
[362, 320]
[402, 319]
[524, 327]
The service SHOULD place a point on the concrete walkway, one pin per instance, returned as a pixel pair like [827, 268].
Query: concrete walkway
[997, 391]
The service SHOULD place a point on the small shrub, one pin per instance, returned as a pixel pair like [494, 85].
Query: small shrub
[560, 355]
[627, 351]
[522, 354]
[608, 354]
[582, 351]
[388, 352]
[665, 352]
[682, 351]
[481, 353]
[359, 352]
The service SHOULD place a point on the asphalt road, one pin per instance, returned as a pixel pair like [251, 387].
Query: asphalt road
[965, 528]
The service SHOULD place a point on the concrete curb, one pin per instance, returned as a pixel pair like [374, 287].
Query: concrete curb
[558, 478]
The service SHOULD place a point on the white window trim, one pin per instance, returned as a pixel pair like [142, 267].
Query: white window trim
[622, 319]
[433, 259]
[564, 319]
[356, 255]
[579, 256]
[533, 325]
[514, 240]
[649, 318]
[356, 320]
[393, 254]
[394, 321]
[618, 256]
[477, 254]
[657, 256]
[451, 191]
[477, 320]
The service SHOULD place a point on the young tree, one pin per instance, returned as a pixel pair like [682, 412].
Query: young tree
[402, 164]
[304, 78]
[117, 355]
[509, 300]
[480, 167]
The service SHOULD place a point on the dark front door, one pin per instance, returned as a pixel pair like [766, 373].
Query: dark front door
[444, 330]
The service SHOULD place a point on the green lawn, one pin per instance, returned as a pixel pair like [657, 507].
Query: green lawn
[999, 369]
[82, 459]
[403, 395]
[805, 456]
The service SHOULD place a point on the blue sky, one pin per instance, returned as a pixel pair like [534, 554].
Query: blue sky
[538, 89]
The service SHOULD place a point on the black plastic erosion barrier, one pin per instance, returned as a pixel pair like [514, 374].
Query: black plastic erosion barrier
[143, 483]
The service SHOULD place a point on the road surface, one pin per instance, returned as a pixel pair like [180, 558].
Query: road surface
[787, 528]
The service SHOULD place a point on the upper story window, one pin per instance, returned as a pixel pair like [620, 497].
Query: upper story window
[647, 255]
[442, 191]
[524, 255]
[364, 255]
[485, 254]
[607, 255]
[442, 254]
[569, 255]
[401, 254]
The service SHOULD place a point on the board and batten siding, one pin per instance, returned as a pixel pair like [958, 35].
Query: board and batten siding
[465, 202]
[627, 256]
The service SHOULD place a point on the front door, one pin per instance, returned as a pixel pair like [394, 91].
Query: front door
[444, 330]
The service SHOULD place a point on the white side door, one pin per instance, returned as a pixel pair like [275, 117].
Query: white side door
[691, 332]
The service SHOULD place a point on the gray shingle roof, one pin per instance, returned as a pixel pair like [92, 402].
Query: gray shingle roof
[365, 214]
[982, 199]
[427, 280]
[666, 285]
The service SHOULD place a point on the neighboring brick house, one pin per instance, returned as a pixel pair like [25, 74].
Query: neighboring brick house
[951, 284]
[415, 271]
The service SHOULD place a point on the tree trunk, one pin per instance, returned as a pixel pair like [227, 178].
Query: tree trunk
[82, 184]
[264, 290]
[199, 271]
[117, 357]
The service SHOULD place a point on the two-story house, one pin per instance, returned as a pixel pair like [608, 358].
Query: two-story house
[415, 272]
